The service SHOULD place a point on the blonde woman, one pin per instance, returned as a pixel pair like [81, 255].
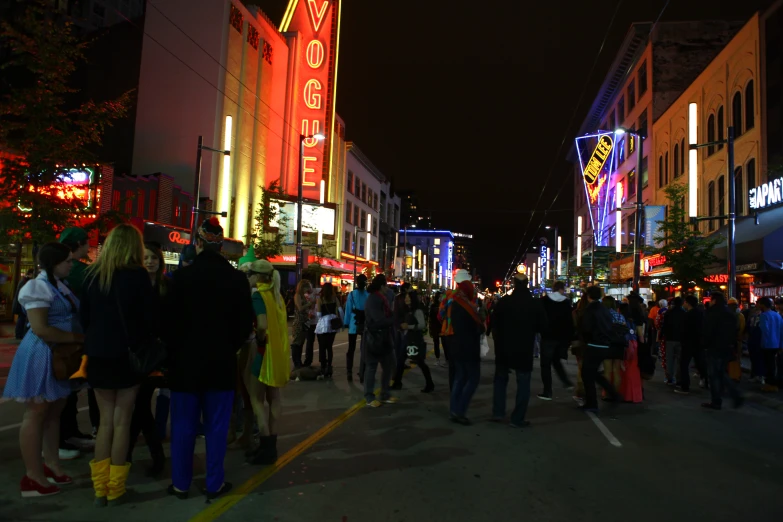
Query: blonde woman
[119, 310]
[267, 366]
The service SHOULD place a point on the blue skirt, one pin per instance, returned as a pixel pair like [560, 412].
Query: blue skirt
[31, 377]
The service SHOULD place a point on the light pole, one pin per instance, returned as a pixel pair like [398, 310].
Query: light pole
[299, 260]
[693, 186]
[637, 240]
[197, 185]
[356, 231]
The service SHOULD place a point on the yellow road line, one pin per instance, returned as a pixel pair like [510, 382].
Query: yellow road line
[220, 506]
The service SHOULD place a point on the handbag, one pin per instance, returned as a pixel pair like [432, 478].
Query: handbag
[66, 359]
[378, 342]
[148, 356]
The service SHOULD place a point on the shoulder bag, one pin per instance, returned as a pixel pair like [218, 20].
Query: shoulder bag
[66, 357]
[378, 342]
[146, 357]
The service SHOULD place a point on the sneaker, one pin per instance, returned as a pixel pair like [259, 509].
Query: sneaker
[375, 404]
[225, 488]
[680, 391]
[544, 397]
[69, 451]
[390, 400]
[60, 480]
[31, 488]
[702, 383]
[437, 362]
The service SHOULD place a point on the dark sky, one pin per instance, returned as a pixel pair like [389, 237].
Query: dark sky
[467, 102]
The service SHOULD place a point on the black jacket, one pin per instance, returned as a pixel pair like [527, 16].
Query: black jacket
[209, 316]
[720, 331]
[139, 303]
[465, 344]
[596, 324]
[560, 321]
[674, 324]
[692, 328]
[516, 320]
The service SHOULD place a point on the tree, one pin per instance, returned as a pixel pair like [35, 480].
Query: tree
[44, 128]
[688, 252]
[267, 240]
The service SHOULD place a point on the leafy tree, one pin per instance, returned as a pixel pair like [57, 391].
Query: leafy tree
[44, 129]
[688, 252]
[267, 241]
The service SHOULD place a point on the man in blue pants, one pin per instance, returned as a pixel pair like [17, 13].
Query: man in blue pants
[209, 316]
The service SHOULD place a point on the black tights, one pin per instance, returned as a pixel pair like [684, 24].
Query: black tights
[326, 354]
[144, 422]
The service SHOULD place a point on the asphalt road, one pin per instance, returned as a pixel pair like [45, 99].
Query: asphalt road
[666, 459]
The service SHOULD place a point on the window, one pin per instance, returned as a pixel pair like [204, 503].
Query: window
[153, 213]
[375, 227]
[722, 198]
[631, 183]
[375, 251]
[750, 106]
[645, 174]
[711, 134]
[631, 144]
[643, 123]
[736, 113]
[361, 246]
[631, 95]
[140, 203]
[660, 171]
[364, 192]
[721, 127]
[349, 182]
[363, 222]
[620, 112]
[682, 156]
[437, 251]
[348, 211]
[347, 247]
[375, 201]
[129, 202]
[711, 204]
[115, 200]
[676, 163]
[740, 198]
[630, 226]
[356, 215]
[666, 168]
[750, 173]
[177, 210]
[643, 79]
[437, 241]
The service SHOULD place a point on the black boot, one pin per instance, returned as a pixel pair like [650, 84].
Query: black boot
[266, 453]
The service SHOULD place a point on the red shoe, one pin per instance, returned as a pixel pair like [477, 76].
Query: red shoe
[62, 480]
[31, 488]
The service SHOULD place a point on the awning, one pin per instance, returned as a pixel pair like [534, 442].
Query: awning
[760, 244]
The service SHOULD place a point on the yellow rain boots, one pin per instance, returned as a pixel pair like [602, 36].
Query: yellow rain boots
[117, 477]
[100, 480]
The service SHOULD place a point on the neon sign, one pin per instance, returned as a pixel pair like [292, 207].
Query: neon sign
[718, 279]
[176, 237]
[595, 190]
[317, 21]
[74, 187]
[597, 161]
[766, 195]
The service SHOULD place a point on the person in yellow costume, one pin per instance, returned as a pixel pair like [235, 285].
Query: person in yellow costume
[268, 365]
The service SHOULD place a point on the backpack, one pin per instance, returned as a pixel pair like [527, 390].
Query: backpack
[618, 340]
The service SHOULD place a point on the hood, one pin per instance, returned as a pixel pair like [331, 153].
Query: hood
[557, 297]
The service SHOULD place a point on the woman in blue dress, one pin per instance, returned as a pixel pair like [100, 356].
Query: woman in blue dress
[53, 311]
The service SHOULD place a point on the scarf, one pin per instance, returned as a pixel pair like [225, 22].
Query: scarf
[444, 312]
[274, 368]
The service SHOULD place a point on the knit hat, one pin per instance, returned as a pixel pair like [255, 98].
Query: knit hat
[248, 258]
[733, 300]
[73, 235]
[211, 232]
[461, 276]
[261, 266]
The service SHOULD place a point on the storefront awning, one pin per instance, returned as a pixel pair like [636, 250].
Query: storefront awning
[756, 244]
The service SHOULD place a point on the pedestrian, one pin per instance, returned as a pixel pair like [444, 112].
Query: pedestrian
[120, 310]
[267, 368]
[303, 307]
[720, 334]
[596, 329]
[673, 332]
[416, 348]
[663, 306]
[354, 315]
[379, 345]
[330, 320]
[652, 316]
[735, 363]
[209, 318]
[464, 345]
[631, 387]
[578, 347]
[613, 368]
[516, 321]
[771, 326]
[52, 310]
[556, 338]
[143, 420]
[435, 326]
[398, 310]
[18, 309]
[692, 348]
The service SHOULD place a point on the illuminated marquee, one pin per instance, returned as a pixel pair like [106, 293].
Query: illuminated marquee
[317, 21]
[74, 187]
[597, 160]
[767, 195]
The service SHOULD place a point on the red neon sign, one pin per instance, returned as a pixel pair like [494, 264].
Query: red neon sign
[176, 237]
[595, 189]
[718, 279]
[317, 21]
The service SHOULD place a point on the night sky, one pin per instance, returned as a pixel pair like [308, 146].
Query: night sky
[468, 103]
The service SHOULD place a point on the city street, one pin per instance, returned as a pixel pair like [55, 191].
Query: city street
[664, 460]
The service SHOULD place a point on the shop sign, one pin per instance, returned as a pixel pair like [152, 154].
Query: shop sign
[652, 262]
[317, 22]
[717, 279]
[747, 268]
[177, 237]
[169, 239]
[766, 195]
[598, 159]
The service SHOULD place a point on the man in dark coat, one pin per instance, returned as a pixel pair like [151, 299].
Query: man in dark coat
[719, 337]
[673, 332]
[515, 322]
[693, 323]
[209, 316]
[596, 328]
[556, 339]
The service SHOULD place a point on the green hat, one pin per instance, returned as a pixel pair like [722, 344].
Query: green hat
[247, 258]
[73, 235]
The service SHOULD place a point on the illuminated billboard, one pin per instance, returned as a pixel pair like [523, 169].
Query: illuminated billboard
[598, 161]
[318, 23]
[315, 218]
[74, 187]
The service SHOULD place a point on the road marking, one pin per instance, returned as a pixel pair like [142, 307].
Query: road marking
[19, 424]
[603, 429]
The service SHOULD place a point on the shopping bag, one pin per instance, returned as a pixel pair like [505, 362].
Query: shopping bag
[484, 346]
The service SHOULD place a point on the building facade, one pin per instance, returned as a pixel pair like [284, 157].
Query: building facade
[429, 256]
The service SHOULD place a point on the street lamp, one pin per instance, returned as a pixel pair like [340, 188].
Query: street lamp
[637, 245]
[226, 151]
[299, 261]
[356, 231]
[693, 185]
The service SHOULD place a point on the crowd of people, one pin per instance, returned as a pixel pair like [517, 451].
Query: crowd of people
[229, 352]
